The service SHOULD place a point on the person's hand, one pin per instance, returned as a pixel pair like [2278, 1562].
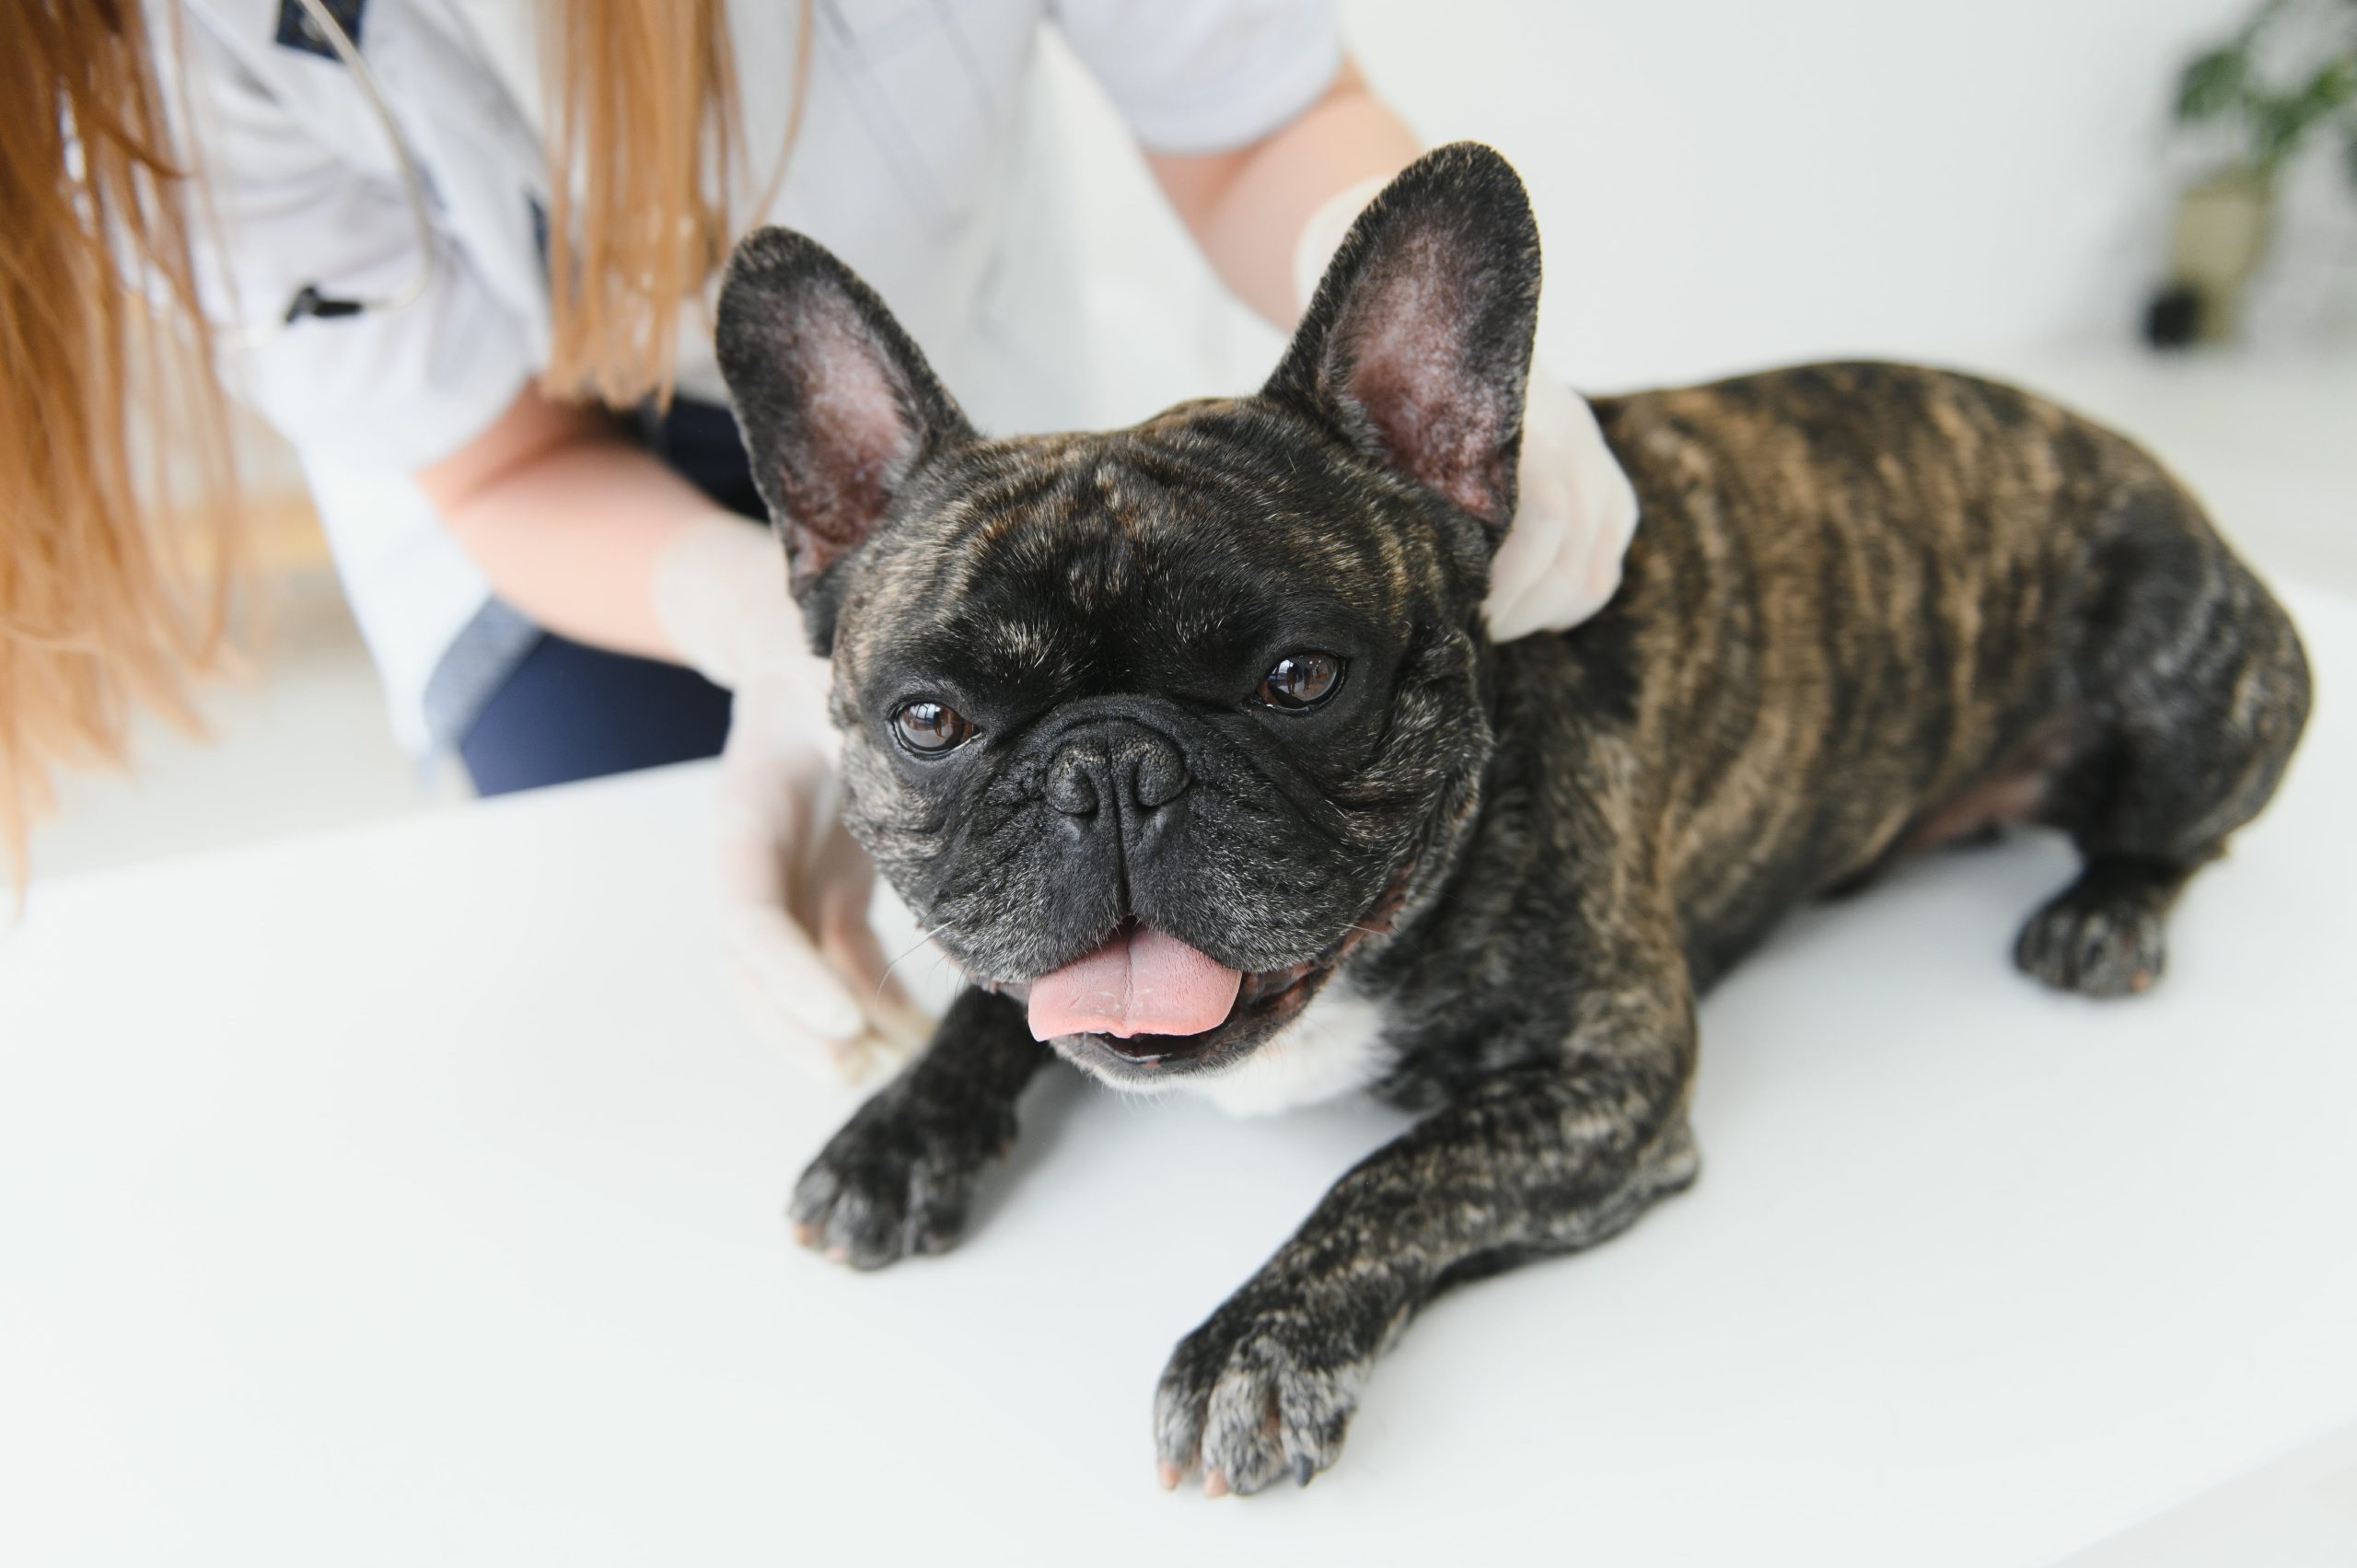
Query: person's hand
[793, 885]
[1575, 510]
[1574, 513]
[794, 888]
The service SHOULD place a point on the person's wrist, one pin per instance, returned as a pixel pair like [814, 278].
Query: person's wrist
[720, 597]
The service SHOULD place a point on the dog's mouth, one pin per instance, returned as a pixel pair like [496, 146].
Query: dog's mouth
[1146, 999]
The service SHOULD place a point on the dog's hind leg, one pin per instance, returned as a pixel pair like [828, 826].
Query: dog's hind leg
[2104, 935]
[2201, 690]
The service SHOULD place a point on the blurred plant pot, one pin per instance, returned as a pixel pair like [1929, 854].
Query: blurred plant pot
[2223, 225]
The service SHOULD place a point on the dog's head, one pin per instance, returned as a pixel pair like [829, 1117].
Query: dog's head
[1156, 727]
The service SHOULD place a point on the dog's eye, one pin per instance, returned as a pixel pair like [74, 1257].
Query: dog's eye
[931, 727]
[1301, 680]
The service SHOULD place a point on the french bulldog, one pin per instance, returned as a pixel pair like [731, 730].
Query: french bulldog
[1186, 743]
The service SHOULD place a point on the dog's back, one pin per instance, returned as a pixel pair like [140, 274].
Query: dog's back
[1871, 606]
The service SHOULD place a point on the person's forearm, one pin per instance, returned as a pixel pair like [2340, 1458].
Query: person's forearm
[1247, 208]
[569, 521]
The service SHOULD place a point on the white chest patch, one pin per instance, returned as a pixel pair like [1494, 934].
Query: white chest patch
[1333, 1047]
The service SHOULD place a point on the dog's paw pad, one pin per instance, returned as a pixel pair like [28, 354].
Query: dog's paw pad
[2094, 947]
[1253, 1399]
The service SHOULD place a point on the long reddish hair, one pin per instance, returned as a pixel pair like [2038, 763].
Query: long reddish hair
[119, 552]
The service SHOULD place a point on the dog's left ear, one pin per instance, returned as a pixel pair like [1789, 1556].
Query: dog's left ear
[1417, 347]
[837, 406]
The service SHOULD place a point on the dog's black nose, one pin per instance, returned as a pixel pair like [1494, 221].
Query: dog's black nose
[1125, 768]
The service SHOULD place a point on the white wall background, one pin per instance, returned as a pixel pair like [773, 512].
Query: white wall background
[1726, 183]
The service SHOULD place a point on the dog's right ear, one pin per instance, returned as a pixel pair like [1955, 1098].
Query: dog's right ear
[1416, 348]
[837, 406]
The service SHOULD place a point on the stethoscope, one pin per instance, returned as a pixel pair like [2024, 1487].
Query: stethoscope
[309, 300]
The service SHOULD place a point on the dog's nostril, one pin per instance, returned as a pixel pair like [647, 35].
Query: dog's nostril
[1070, 784]
[1159, 777]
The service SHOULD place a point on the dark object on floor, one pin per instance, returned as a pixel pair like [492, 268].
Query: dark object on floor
[2174, 318]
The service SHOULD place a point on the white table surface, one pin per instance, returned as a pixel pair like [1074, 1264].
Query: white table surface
[410, 1195]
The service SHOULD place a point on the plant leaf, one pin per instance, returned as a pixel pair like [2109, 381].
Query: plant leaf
[2214, 84]
[2334, 84]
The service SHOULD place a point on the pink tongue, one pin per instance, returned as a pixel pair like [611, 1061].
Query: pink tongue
[1142, 983]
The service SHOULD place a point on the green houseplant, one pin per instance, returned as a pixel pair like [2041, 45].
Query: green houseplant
[2290, 74]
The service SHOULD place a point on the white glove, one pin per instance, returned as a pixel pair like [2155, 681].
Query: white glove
[1574, 511]
[794, 886]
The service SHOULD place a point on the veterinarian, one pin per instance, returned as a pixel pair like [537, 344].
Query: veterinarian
[501, 385]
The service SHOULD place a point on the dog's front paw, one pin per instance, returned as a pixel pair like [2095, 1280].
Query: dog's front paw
[895, 1180]
[1261, 1391]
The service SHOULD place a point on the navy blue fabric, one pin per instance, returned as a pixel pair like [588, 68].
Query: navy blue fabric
[296, 30]
[572, 712]
[700, 443]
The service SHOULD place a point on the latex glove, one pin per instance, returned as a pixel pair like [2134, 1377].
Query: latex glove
[794, 886]
[1574, 513]
[1574, 510]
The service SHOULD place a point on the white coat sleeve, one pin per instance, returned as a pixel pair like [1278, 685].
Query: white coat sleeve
[1208, 74]
[381, 390]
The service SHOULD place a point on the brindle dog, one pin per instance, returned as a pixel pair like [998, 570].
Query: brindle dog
[1205, 706]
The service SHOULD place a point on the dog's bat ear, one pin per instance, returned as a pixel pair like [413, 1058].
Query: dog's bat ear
[1416, 348]
[837, 406]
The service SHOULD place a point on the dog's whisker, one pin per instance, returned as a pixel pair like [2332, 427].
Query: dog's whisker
[886, 978]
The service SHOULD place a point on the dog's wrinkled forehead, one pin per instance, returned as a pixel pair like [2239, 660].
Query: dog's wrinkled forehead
[1127, 561]
[1398, 402]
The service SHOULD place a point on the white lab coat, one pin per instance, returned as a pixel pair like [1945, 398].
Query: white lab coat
[912, 139]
